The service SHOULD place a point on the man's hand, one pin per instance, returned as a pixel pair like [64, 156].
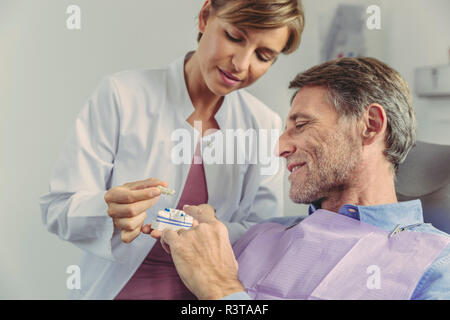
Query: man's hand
[203, 255]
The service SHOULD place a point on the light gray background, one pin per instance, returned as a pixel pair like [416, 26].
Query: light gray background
[47, 72]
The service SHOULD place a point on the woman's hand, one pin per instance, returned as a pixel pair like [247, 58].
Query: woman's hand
[127, 205]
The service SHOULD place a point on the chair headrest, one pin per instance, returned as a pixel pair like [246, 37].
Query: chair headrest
[425, 170]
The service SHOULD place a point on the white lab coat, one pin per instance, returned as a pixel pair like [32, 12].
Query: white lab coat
[123, 134]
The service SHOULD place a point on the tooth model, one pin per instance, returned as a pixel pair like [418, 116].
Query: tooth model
[173, 219]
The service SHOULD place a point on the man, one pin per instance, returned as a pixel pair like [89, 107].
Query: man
[350, 126]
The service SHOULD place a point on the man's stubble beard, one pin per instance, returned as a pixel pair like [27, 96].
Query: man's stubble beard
[331, 171]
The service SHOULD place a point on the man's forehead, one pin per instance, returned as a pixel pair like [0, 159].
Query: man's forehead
[310, 103]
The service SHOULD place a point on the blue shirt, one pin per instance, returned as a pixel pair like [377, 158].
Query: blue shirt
[435, 282]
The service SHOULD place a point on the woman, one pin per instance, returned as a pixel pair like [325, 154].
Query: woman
[124, 134]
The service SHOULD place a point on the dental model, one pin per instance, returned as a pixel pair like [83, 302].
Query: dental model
[166, 191]
[173, 219]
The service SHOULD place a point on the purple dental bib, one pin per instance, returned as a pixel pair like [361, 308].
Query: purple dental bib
[331, 256]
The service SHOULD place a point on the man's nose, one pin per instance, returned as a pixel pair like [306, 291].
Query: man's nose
[241, 60]
[284, 148]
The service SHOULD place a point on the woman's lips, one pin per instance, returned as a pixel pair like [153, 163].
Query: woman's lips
[228, 78]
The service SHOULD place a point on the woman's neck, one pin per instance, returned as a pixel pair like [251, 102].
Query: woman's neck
[205, 102]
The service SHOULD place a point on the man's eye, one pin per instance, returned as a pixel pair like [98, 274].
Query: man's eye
[232, 38]
[299, 125]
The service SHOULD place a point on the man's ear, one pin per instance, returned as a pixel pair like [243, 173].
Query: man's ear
[374, 124]
[204, 15]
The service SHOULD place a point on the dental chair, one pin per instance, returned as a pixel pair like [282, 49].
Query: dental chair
[425, 175]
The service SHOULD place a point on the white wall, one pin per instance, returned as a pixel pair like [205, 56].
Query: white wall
[47, 72]
[419, 36]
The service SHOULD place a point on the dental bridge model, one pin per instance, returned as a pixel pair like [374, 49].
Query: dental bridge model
[171, 218]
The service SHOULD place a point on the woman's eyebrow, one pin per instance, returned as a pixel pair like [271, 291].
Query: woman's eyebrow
[271, 51]
[242, 30]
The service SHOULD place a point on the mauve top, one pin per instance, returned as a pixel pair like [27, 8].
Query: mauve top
[157, 278]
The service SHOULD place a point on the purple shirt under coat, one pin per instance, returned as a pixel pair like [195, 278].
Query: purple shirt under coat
[157, 278]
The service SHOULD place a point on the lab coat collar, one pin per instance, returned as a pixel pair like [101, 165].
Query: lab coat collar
[179, 95]
[385, 216]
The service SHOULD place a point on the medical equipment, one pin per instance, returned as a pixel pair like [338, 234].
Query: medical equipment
[432, 81]
[425, 175]
[166, 191]
[173, 219]
[346, 36]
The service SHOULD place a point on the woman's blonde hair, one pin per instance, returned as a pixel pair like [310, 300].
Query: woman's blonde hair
[264, 14]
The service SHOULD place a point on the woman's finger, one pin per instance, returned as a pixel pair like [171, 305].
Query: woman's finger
[123, 195]
[118, 210]
[156, 234]
[128, 236]
[131, 224]
[147, 229]
[143, 184]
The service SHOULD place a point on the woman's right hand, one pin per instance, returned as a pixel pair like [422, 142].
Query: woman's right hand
[127, 205]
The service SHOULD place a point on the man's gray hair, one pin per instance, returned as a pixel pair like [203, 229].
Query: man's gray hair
[354, 84]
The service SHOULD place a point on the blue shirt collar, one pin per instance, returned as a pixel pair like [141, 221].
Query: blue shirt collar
[385, 216]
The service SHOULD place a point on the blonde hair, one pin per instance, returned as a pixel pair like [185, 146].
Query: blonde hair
[264, 14]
